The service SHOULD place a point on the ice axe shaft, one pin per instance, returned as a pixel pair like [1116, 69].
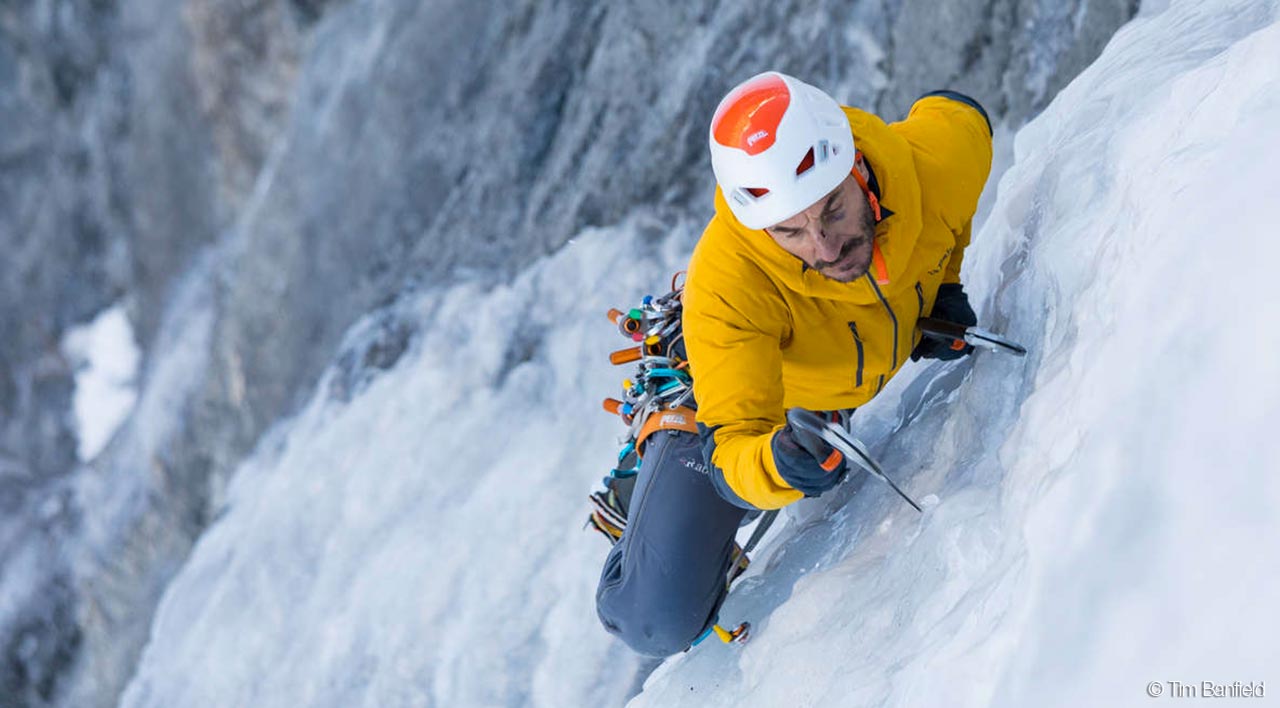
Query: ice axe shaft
[976, 336]
[848, 446]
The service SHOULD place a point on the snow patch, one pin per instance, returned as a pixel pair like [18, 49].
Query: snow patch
[105, 358]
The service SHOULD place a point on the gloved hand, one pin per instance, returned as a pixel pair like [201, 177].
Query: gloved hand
[806, 461]
[951, 305]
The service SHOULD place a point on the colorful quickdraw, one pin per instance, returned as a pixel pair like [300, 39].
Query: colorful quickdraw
[654, 397]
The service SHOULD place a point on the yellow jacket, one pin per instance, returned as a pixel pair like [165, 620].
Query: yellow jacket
[764, 334]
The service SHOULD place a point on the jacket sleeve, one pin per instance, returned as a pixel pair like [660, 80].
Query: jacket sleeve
[951, 136]
[957, 256]
[734, 346]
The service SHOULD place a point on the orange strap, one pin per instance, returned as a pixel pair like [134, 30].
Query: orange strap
[862, 182]
[681, 418]
[877, 256]
[877, 262]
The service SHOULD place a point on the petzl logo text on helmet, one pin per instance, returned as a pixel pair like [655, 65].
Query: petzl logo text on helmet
[748, 117]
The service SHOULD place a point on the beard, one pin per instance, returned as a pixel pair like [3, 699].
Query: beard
[863, 238]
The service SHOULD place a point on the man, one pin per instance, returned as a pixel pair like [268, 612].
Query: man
[833, 234]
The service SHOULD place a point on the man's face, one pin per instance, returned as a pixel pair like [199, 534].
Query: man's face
[835, 235]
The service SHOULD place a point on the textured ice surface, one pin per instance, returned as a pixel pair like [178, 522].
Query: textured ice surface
[1106, 506]
[301, 142]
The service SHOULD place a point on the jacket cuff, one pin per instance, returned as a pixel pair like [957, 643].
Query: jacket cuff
[707, 438]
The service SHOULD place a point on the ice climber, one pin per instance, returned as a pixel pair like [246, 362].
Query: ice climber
[833, 233]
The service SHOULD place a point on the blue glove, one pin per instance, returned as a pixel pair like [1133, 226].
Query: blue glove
[806, 461]
[951, 305]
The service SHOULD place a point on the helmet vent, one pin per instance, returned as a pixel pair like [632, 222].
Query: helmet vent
[756, 192]
[806, 164]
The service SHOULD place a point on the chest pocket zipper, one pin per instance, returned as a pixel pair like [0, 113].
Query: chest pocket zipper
[857, 341]
[920, 299]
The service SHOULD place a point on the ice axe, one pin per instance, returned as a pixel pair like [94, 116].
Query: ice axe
[955, 334]
[836, 437]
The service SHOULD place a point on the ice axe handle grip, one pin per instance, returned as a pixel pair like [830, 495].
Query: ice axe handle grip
[959, 335]
[851, 449]
[812, 423]
[943, 330]
[807, 421]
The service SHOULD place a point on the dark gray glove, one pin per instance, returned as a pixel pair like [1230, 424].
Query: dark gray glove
[806, 461]
[951, 305]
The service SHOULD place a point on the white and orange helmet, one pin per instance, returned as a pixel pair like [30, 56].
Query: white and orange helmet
[777, 146]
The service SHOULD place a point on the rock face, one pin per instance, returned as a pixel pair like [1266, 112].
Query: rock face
[250, 176]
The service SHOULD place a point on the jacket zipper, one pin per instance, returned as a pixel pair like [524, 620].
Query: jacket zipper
[920, 299]
[857, 341]
[892, 317]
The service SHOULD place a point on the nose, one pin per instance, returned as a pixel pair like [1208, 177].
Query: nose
[826, 248]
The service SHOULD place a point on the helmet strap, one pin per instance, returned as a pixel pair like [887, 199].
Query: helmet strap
[862, 182]
[877, 256]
